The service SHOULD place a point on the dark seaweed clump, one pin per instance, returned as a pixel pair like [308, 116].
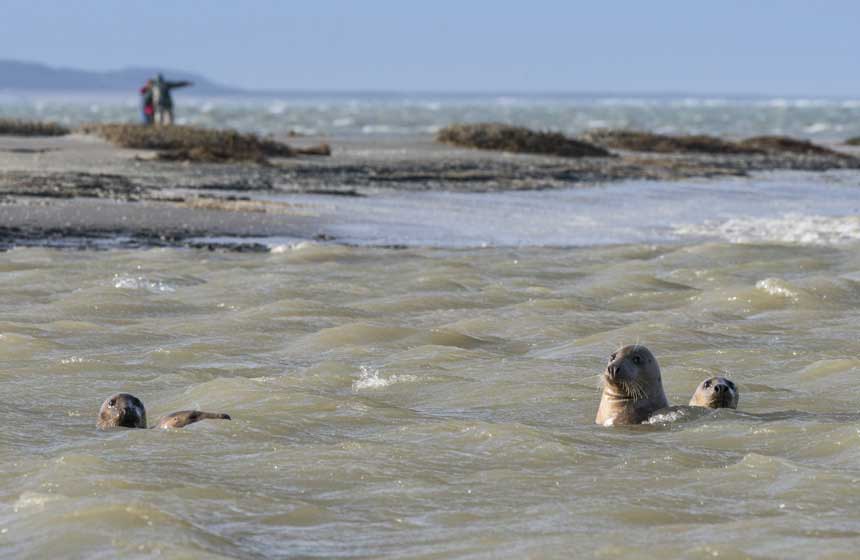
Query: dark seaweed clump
[786, 144]
[188, 143]
[638, 141]
[19, 127]
[507, 138]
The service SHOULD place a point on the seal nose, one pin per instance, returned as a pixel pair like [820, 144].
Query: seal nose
[720, 388]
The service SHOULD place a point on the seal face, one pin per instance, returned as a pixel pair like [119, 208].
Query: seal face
[122, 411]
[716, 392]
[632, 387]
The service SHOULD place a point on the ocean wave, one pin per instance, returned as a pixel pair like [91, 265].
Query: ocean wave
[776, 287]
[398, 115]
[129, 282]
[791, 228]
[369, 378]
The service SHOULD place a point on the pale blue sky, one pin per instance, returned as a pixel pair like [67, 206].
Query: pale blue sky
[697, 46]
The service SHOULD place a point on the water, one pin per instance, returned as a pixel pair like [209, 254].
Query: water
[379, 115]
[438, 402]
[784, 207]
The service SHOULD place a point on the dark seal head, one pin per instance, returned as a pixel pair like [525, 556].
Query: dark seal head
[632, 387]
[122, 411]
[716, 392]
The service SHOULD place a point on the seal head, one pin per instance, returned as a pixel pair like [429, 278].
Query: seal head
[632, 387]
[716, 392]
[122, 411]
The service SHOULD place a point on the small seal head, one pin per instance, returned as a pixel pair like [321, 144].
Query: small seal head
[632, 387]
[716, 392]
[122, 411]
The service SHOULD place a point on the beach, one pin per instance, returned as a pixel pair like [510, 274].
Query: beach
[81, 189]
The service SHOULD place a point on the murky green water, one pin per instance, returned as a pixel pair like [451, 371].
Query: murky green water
[428, 403]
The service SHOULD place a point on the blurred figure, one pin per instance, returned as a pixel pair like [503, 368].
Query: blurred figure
[162, 100]
[147, 108]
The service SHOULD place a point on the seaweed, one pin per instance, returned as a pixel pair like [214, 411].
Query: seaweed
[639, 141]
[502, 137]
[20, 127]
[786, 144]
[188, 143]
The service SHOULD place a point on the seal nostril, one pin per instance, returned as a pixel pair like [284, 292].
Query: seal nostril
[719, 388]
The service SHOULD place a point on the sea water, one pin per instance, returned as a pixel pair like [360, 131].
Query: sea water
[376, 115]
[437, 399]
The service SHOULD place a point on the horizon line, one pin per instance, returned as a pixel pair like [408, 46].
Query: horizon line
[227, 89]
[230, 91]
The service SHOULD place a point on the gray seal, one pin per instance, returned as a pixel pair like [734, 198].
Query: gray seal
[127, 411]
[716, 392]
[632, 388]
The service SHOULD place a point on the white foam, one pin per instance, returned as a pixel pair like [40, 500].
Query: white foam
[812, 208]
[72, 360]
[129, 282]
[29, 500]
[776, 287]
[666, 417]
[817, 128]
[789, 228]
[293, 246]
[369, 378]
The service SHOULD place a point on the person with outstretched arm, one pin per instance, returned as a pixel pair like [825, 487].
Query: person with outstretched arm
[162, 99]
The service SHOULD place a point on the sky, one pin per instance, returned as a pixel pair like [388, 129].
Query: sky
[783, 47]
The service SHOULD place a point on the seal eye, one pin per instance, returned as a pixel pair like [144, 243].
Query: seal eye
[637, 360]
[112, 402]
[612, 357]
[707, 383]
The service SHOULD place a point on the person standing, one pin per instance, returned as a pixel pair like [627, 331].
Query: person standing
[147, 109]
[162, 99]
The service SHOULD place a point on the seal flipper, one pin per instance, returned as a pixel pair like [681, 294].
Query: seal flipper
[184, 417]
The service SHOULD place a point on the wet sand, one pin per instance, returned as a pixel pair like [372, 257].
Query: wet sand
[81, 191]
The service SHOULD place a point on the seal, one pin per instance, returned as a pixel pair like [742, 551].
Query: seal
[632, 387]
[716, 392]
[127, 411]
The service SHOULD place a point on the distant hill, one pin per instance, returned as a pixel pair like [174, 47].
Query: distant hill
[32, 76]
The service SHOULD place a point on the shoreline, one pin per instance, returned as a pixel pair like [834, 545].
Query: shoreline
[82, 192]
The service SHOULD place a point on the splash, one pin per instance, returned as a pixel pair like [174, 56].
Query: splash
[776, 287]
[369, 378]
[128, 282]
[790, 228]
